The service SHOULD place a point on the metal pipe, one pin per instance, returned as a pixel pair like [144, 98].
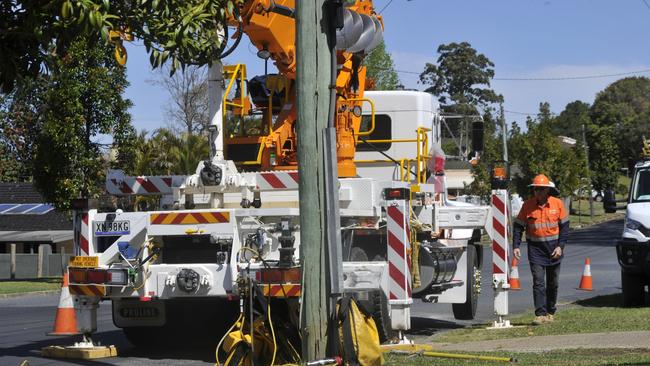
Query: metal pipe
[215, 103]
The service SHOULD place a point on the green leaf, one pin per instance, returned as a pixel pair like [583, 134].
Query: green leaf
[66, 9]
[104, 33]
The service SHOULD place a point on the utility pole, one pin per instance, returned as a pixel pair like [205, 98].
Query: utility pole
[591, 186]
[504, 133]
[313, 77]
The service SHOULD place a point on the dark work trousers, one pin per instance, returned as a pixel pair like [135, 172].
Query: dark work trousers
[545, 282]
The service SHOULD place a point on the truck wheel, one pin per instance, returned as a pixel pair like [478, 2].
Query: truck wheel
[633, 289]
[467, 310]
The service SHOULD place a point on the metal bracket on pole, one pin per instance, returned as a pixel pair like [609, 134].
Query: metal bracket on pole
[500, 257]
[333, 216]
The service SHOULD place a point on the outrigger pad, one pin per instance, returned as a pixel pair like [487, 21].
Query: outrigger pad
[79, 353]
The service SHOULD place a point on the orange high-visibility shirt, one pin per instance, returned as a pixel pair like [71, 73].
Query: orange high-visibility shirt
[542, 223]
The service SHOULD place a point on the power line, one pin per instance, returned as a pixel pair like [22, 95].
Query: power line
[646, 4]
[597, 76]
[385, 6]
[576, 77]
[521, 113]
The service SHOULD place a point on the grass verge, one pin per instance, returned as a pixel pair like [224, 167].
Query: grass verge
[32, 285]
[581, 217]
[577, 357]
[598, 314]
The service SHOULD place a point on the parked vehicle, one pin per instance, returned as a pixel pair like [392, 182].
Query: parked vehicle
[633, 250]
[236, 220]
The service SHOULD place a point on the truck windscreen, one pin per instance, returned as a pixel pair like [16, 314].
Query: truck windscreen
[641, 188]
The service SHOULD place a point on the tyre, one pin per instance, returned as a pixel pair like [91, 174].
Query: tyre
[633, 289]
[467, 310]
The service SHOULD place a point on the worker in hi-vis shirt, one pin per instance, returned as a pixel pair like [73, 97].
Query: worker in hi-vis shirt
[546, 222]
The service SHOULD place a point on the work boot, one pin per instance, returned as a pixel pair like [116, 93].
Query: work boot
[550, 318]
[539, 320]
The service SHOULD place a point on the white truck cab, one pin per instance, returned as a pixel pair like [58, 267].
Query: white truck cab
[633, 250]
[398, 115]
[637, 217]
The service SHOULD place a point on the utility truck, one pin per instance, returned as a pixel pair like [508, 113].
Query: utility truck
[186, 260]
[633, 249]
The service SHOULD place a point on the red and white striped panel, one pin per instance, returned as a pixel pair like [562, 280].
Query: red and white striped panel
[281, 180]
[81, 234]
[499, 233]
[153, 185]
[399, 244]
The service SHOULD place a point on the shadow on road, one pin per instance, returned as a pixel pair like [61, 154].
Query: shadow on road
[427, 326]
[605, 301]
[182, 352]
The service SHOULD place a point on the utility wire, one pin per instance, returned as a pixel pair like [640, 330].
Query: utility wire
[598, 76]
[521, 113]
[385, 6]
[576, 77]
[646, 4]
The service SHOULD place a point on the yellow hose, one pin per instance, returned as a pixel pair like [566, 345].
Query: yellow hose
[457, 356]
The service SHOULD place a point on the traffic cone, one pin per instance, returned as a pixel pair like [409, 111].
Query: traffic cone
[585, 281]
[65, 322]
[513, 279]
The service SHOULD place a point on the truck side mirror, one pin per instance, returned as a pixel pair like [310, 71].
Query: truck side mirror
[477, 135]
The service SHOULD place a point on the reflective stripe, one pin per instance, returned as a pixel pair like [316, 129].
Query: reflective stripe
[520, 222]
[545, 225]
[542, 238]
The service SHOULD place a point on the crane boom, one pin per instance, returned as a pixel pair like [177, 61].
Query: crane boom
[270, 26]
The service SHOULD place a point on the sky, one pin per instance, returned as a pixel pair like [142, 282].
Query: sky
[525, 39]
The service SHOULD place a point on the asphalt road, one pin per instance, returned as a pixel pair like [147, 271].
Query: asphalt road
[25, 320]
[596, 243]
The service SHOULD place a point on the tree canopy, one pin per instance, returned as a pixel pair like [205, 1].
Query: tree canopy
[54, 125]
[569, 122]
[538, 151]
[460, 76]
[624, 107]
[34, 32]
[381, 69]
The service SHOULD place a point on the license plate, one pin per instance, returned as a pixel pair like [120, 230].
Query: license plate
[84, 261]
[111, 228]
[139, 312]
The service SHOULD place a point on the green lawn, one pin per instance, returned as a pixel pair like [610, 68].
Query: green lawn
[581, 216]
[578, 357]
[20, 286]
[599, 314]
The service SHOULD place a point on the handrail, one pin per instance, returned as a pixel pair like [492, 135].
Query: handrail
[420, 162]
[372, 115]
[234, 71]
[259, 155]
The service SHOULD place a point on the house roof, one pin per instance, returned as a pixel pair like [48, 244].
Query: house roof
[54, 236]
[25, 193]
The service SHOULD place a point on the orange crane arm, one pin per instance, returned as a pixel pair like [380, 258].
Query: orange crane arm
[270, 26]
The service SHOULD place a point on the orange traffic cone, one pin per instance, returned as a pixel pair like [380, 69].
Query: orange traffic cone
[65, 322]
[585, 281]
[513, 279]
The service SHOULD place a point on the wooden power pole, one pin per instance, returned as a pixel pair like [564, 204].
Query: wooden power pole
[312, 83]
